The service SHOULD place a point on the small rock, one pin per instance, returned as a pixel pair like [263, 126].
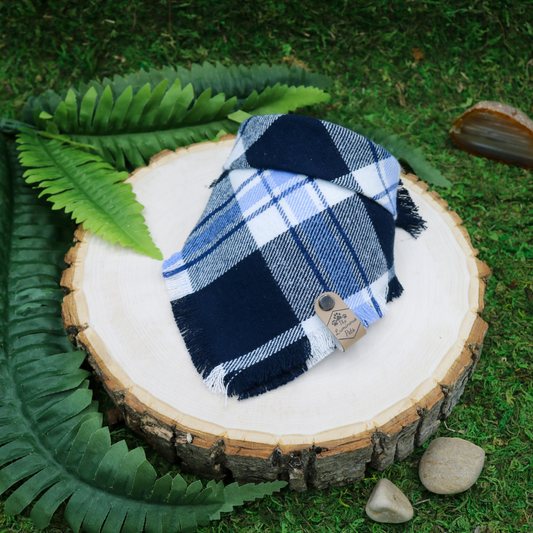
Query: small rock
[450, 465]
[388, 504]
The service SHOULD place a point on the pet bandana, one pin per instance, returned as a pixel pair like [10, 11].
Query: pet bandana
[303, 207]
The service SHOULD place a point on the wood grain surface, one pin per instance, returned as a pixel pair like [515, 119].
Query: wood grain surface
[370, 405]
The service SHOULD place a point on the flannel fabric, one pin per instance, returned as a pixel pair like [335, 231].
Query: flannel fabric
[303, 207]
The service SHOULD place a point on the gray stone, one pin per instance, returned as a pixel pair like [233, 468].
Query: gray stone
[388, 504]
[450, 466]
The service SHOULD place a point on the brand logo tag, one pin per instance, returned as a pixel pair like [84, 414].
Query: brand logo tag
[339, 319]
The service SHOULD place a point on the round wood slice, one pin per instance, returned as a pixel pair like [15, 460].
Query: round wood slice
[370, 405]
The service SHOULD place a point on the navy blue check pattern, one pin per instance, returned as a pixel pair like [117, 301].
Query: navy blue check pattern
[303, 207]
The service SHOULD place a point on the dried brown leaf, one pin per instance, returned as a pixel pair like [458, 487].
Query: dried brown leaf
[417, 54]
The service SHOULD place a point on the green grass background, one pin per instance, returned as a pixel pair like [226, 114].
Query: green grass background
[473, 50]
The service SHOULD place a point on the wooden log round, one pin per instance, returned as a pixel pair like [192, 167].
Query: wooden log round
[370, 405]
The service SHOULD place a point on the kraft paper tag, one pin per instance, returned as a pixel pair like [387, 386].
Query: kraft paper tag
[339, 319]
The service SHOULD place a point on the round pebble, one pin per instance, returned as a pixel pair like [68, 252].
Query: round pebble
[388, 504]
[450, 465]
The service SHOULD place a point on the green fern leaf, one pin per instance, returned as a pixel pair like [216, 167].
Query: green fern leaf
[131, 129]
[85, 186]
[126, 130]
[47, 505]
[10, 126]
[129, 120]
[238, 81]
[28, 492]
[282, 99]
[55, 445]
[405, 153]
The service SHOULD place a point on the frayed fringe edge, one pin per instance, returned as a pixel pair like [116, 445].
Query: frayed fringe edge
[271, 372]
[215, 380]
[322, 344]
[395, 289]
[187, 317]
[408, 217]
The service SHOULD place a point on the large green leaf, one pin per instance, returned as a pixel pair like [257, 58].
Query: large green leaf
[53, 448]
[238, 81]
[130, 128]
[86, 186]
[11, 126]
[130, 120]
[282, 99]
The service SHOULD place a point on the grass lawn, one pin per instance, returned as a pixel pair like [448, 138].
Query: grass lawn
[410, 67]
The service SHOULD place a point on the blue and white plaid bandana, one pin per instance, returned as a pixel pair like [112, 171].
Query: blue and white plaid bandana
[303, 207]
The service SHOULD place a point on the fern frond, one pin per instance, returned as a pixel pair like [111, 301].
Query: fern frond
[238, 81]
[87, 187]
[52, 443]
[129, 129]
[10, 126]
[404, 152]
[282, 99]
